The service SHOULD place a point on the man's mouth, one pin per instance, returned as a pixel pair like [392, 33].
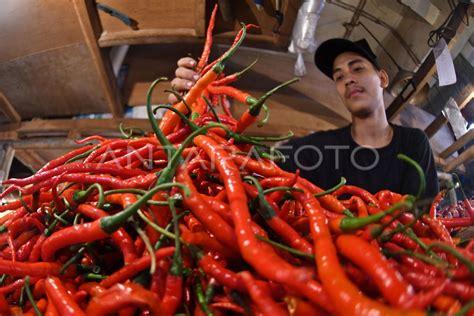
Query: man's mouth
[353, 92]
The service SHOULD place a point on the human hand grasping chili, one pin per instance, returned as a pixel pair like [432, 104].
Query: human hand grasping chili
[185, 78]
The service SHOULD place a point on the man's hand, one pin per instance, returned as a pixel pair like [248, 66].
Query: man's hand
[185, 78]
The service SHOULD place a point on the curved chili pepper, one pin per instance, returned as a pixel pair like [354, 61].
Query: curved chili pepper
[282, 228]
[363, 194]
[213, 222]
[63, 302]
[208, 44]
[133, 268]
[125, 295]
[395, 290]
[438, 229]
[113, 170]
[264, 302]
[346, 298]
[120, 236]
[4, 307]
[62, 159]
[170, 119]
[36, 269]
[438, 198]
[233, 77]
[253, 251]
[250, 115]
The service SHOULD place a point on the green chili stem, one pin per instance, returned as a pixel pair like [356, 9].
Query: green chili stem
[440, 264]
[95, 276]
[333, 189]
[348, 213]
[255, 108]
[83, 155]
[2, 279]
[201, 297]
[167, 228]
[81, 196]
[148, 247]
[30, 296]
[219, 66]
[53, 224]
[111, 223]
[73, 259]
[351, 224]
[270, 190]
[167, 146]
[159, 229]
[181, 99]
[455, 253]
[286, 248]
[271, 138]
[421, 174]
[180, 114]
[463, 311]
[211, 108]
[177, 266]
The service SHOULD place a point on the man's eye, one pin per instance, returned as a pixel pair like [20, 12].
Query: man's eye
[358, 69]
[338, 78]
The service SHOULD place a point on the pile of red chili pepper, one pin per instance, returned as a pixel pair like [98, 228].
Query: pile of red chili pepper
[198, 219]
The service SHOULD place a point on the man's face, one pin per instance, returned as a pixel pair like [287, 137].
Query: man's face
[359, 84]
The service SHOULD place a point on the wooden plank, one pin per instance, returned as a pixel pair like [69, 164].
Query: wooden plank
[6, 157]
[155, 20]
[31, 26]
[30, 158]
[466, 156]
[463, 140]
[89, 22]
[462, 99]
[8, 109]
[427, 68]
[56, 82]
[84, 127]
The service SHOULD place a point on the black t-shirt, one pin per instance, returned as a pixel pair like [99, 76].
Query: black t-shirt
[324, 157]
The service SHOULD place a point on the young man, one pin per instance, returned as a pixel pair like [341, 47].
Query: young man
[365, 151]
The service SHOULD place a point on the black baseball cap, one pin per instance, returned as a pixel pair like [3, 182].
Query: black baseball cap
[328, 51]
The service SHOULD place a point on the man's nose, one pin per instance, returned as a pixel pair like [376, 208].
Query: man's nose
[349, 80]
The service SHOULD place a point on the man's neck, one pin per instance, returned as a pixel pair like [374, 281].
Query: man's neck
[372, 131]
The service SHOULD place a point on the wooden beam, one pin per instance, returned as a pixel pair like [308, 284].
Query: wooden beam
[30, 158]
[8, 109]
[427, 68]
[463, 140]
[62, 128]
[462, 99]
[6, 157]
[466, 156]
[90, 26]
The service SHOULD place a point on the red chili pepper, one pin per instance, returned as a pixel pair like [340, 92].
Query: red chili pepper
[170, 119]
[353, 190]
[460, 290]
[113, 170]
[122, 296]
[260, 297]
[120, 236]
[438, 229]
[212, 221]
[390, 283]
[207, 45]
[36, 269]
[346, 297]
[438, 198]
[63, 159]
[63, 302]
[133, 268]
[256, 253]
[4, 307]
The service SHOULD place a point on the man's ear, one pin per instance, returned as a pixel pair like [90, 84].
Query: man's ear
[384, 80]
